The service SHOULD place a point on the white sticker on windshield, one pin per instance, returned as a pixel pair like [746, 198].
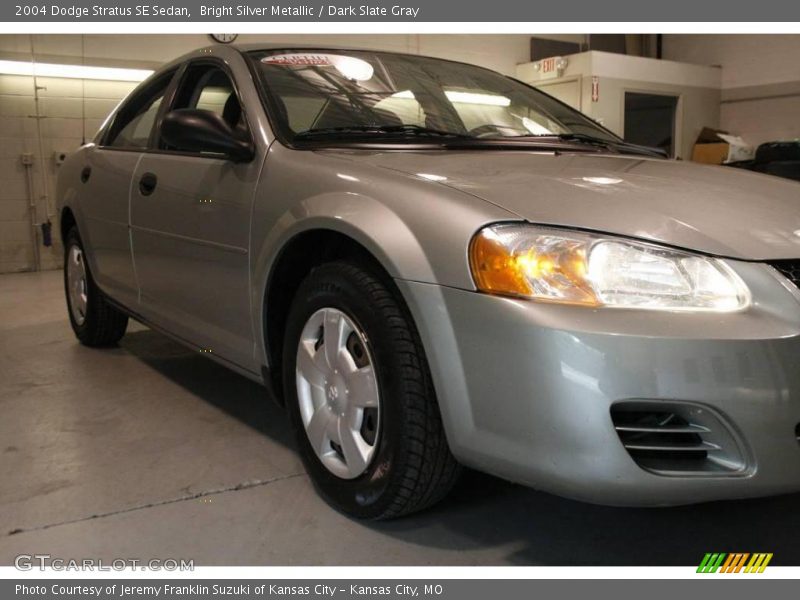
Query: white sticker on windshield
[298, 60]
[349, 66]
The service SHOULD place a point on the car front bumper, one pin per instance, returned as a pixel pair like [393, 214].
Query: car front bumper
[526, 388]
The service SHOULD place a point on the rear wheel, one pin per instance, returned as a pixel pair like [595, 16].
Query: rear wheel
[360, 396]
[94, 320]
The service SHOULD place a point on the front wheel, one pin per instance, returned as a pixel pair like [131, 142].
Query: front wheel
[360, 396]
[94, 320]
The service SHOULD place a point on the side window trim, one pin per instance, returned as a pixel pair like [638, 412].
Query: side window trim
[109, 129]
[177, 82]
[166, 106]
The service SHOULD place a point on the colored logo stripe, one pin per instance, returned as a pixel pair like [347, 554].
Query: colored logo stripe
[758, 563]
[711, 563]
[734, 562]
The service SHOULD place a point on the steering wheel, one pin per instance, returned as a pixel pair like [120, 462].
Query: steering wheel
[490, 129]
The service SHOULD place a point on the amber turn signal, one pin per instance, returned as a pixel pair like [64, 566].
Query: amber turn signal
[552, 269]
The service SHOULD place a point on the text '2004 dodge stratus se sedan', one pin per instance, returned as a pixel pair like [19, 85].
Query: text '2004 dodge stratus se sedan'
[432, 265]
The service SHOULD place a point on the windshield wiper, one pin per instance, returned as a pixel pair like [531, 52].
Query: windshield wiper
[590, 140]
[586, 139]
[373, 130]
[358, 133]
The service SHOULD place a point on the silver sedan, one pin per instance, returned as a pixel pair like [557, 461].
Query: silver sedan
[432, 265]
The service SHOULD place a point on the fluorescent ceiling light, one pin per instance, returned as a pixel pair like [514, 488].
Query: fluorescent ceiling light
[37, 69]
[464, 98]
[470, 98]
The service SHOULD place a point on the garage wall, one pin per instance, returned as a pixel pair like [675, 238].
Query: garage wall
[60, 125]
[760, 80]
[68, 109]
[696, 86]
[697, 107]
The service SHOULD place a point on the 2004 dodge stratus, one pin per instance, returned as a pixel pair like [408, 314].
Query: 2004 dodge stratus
[432, 265]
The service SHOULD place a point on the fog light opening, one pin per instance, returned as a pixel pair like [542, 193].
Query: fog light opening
[678, 438]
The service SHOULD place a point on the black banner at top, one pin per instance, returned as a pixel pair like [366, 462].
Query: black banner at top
[441, 11]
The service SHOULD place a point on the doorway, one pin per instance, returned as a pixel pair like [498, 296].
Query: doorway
[651, 120]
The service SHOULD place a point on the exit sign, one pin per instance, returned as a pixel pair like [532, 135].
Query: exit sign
[550, 68]
[549, 65]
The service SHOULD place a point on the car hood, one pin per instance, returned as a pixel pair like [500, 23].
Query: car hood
[716, 210]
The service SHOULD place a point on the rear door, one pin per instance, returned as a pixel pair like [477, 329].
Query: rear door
[190, 222]
[106, 185]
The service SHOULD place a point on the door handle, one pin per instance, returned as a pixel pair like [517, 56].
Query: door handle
[147, 184]
[85, 174]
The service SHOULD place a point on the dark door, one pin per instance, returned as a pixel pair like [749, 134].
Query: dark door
[650, 120]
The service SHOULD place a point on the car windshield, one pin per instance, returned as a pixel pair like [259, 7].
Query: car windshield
[353, 95]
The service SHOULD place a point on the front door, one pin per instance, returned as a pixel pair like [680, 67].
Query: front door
[190, 225]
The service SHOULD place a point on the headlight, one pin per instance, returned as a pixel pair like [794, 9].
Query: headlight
[596, 270]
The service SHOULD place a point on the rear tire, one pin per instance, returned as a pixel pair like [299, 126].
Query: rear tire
[408, 462]
[95, 321]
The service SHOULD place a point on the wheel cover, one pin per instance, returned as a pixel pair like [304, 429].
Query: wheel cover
[338, 393]
[77, 290]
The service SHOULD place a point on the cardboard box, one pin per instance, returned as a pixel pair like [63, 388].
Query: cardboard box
[718, 147]
[710, 154]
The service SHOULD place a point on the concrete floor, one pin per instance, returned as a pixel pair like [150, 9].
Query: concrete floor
[149, 450]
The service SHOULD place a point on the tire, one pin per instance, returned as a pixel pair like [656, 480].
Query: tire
[411, 466]
[94, 320]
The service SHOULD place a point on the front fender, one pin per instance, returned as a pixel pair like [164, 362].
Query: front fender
[380, 231]
[416, 229]
[373, 225]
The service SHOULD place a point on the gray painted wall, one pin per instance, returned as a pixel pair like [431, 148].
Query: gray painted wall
[697, 107]
[760, 80]
[696, 87]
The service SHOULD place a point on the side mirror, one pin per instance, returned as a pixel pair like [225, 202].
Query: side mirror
[194, 130]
